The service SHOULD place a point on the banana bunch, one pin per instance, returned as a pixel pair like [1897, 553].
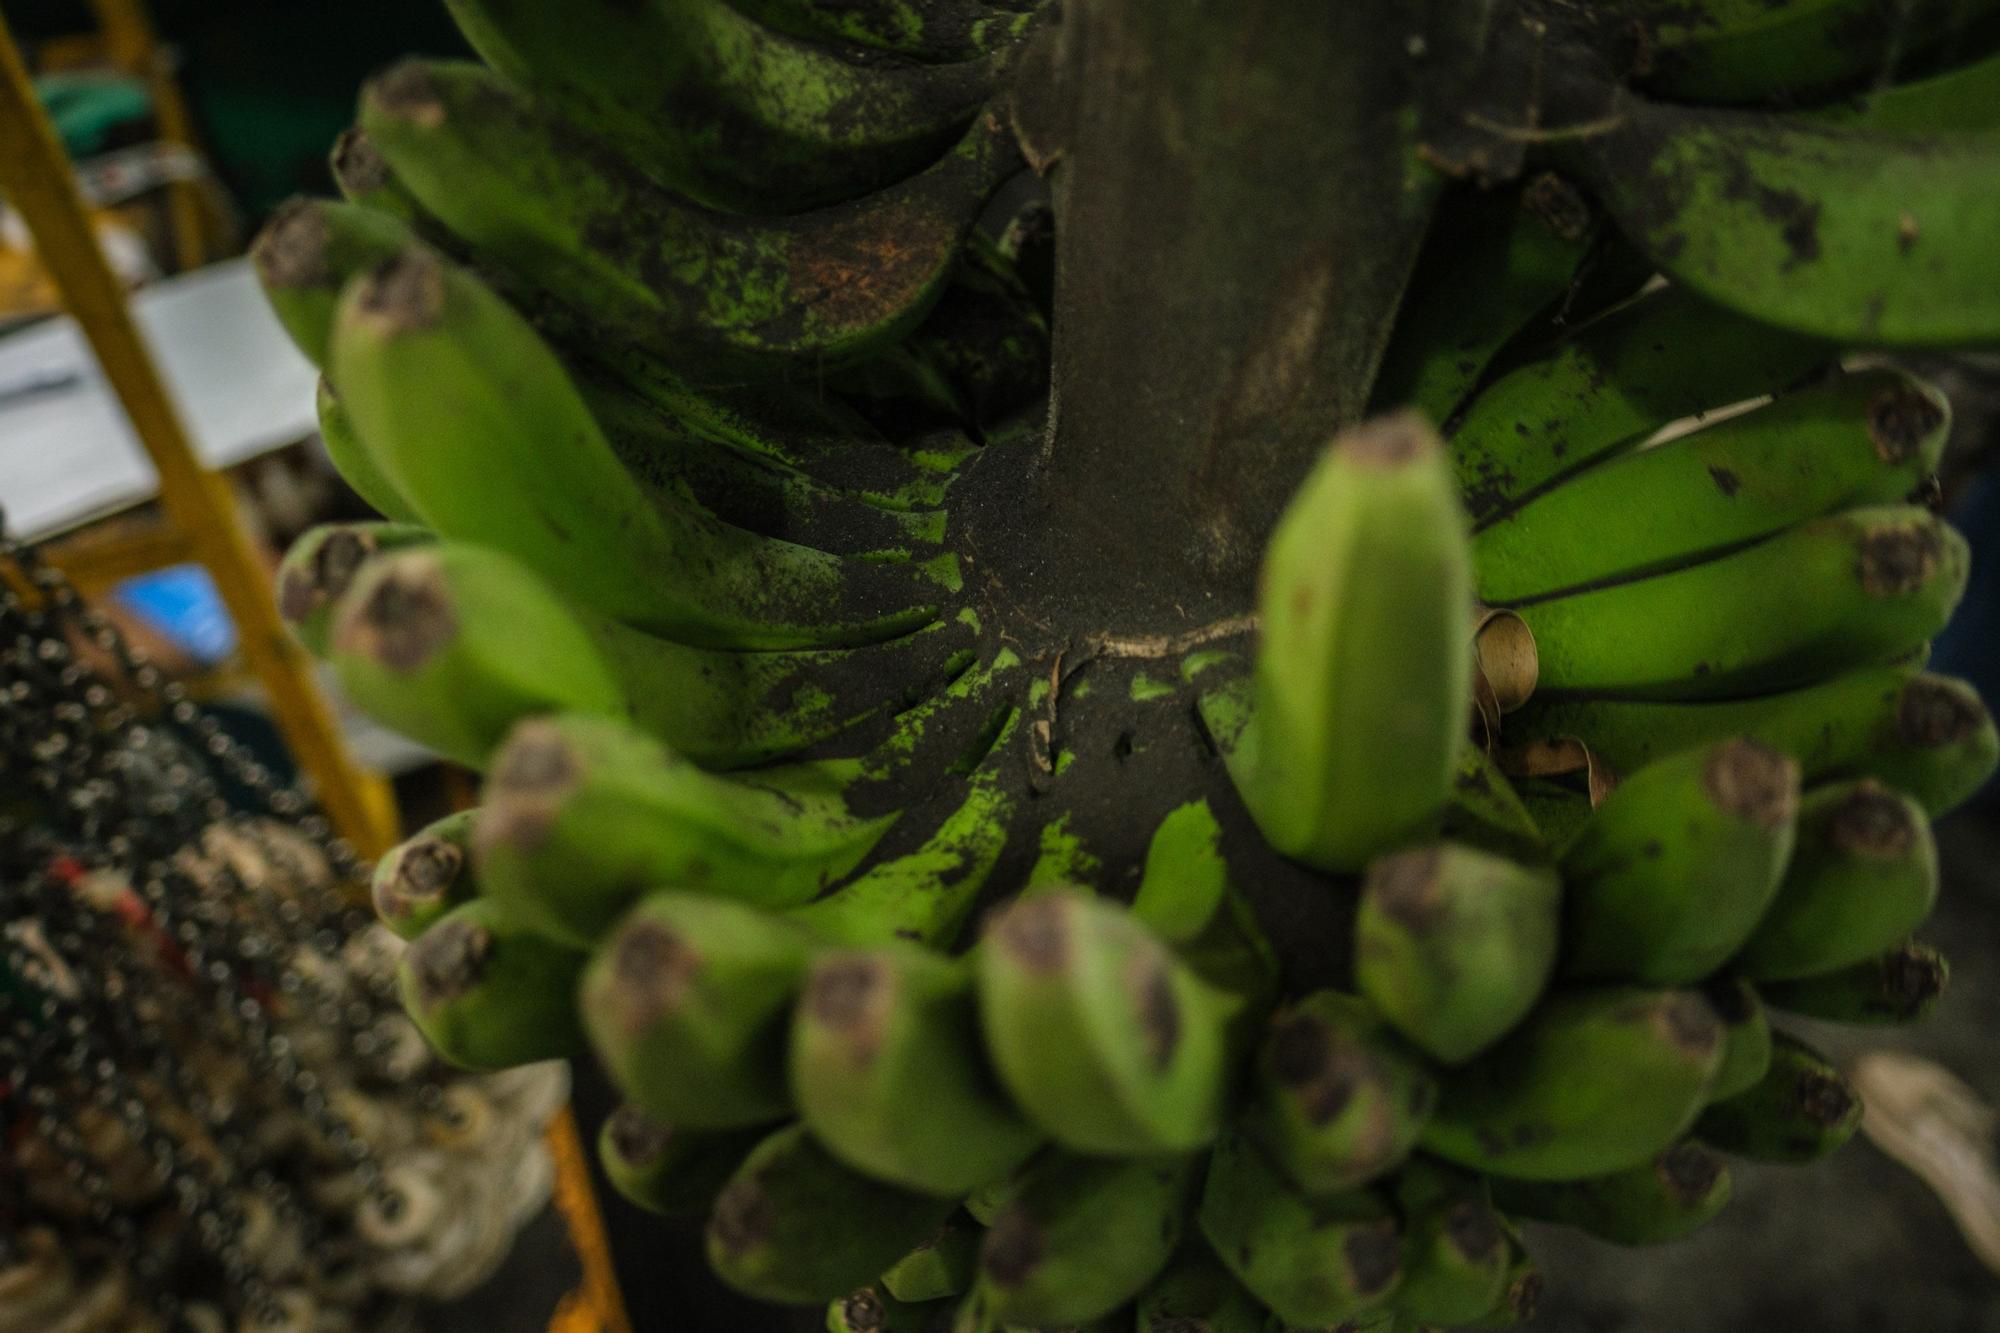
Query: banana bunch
[974, 962]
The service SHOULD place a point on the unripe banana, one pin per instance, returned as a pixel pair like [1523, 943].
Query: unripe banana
[1664, 356]
[1453, 946]
[1746, 1035]
[1079, 1237]
[1108, 1042]
[307, 253]
[668, 1170]
[1197, 1294]
[458, 399]
[1336, 1099]
[1864, 876]
[350, 458]
[583, 814]
[1596, 1080]
[1486, 812]
[1314, 1261]
[1455, 1247]
[1849, 235]
[1672, 1196]
[718, 295]
[887, 1071]
[1865, 438]
[1965, 98]
[1900, 986]
[1186, 898]
[322, 565]
[1800, 1111]
[489, 995]
[942, 1266]
[1676, 868]
[1922, 734]
[794, 1225]
[929, 30]
[1853, 589]
[1363, 670]
[422, 878]
[687, 1004]
[725, 110]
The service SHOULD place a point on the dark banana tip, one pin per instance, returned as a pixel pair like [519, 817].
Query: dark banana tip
[424, 873]
[407, 91]
[1558, 205]
[402, 295]
[533, 774]
[1913, 977]
[1752, 782]
[1471, 1229]
[1405, 887]
[1014, 1247]
[1900, 420]
[1688, 1171]
[744, 1218]
[448, 960]
[1898, 559]
[1935, 712]
[291, 251]
[1822, 1099]
[1873, 822]
[1689, 1024]
[651, 971]
[1524, 1296]
[851, 996]
[1374, 1256]
[635, 1138]
[1159, 1011]
[862, 1311]
[1310, 1061]
[1035, 932]
[1393, 441]
[358, 165]
[306, 586]
[406, 619]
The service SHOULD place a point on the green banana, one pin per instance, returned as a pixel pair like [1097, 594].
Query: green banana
[1661, 357]
[930, 30]
[1453, 945]
[350, 458]
[1336, 1099]
[1851, 234]
[305, 256]
[794, 1225]
[1487, 813]
[1186, 898]
[1852, 589]
[1746, 1035]
[488, 995]
[458, 400]
[1493, 260]
[1079, 1237]
[1364, 667]
[1958, 100]
[1197, 1294]
[887, 1071]
[942, 1266]
[1595, 1081]
[1864, 877]
[1865, 438]
[1736, 51]
[1312, 1260]
[1522, 1292]
[687, 1004]
[724, 110]
[322, 565]
[1673, 1195]
[719, 296]
[1801, 1110]
[1109, 1043]
[668, 1170]
[1455, 1250]
[1922, 734]
[1900, 986]
[1673, 872]
[422, 878]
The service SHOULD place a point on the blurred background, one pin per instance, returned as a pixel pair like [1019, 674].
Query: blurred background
[188, 121]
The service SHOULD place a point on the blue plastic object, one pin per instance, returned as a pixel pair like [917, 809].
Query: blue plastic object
[181, 603]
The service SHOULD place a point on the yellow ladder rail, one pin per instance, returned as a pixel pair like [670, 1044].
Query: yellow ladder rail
[35, 176]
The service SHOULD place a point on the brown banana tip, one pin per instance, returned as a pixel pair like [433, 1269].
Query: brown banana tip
[404, 294]
[635, 1138]
[407, 91]
[863, 1311]
[1035, 932]
[1374, 1256]
[357, 163]
[1822, 1099]
[1912, 978]
[743, 1217]
[1874, 822]
[1473, 1232]
[1689, 1171]
[1900, 420]
[1405, 887]
[305, 587]
[1934, 712]
[405, 620]
[448, 960]
[1159, 1011]
[1013, 1248]
[652, 970]
[535, 760]
[851, 996]
[425, 871]
[1396, 440]
[1524, 1296]
[1559, 206]
[1687, 1022]
[1897, 560]
[1752, 782]
[1322, 1072]
[291, 250]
